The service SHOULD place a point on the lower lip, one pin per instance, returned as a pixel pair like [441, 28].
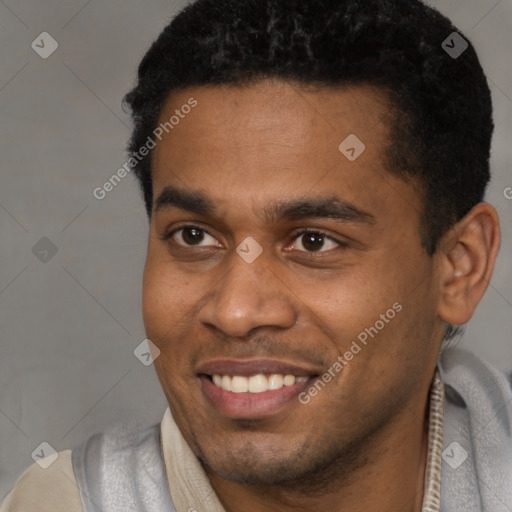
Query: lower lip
[252, 405]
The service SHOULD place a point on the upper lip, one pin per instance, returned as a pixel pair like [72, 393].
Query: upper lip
[248, 367]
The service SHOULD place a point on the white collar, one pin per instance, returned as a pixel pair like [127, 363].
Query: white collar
[191, 489]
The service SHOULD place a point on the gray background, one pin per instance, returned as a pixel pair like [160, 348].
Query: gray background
[68, 327]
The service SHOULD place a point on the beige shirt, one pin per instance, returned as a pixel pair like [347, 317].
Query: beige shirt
[55, 489]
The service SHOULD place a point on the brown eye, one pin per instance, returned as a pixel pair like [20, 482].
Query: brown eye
[190, 236]
[316, 241]
[312, 241]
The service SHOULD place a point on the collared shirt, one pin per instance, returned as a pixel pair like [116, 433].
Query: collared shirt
[55, 489]
[190, 486]
[432, 494]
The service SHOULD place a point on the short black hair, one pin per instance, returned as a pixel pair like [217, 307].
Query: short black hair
[441, 104]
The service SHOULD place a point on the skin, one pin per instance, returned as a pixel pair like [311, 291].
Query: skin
[360, 444]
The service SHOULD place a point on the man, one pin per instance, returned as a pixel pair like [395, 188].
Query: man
[314, 186]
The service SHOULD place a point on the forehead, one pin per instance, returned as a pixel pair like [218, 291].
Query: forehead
[278, 110]
[275, 138]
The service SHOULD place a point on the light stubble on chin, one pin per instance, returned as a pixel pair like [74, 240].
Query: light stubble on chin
[317, 466]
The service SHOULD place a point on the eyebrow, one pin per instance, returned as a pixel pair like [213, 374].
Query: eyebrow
[331, 207]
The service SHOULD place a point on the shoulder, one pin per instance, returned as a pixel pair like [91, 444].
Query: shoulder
[53, 489]
[477, 426]
[479, 392]
[105, 463]
[461, 368]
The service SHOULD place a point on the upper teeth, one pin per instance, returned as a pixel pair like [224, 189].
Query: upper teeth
[256, 383]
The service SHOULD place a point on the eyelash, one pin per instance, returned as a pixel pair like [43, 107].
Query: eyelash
[298, 234]
[309, 231]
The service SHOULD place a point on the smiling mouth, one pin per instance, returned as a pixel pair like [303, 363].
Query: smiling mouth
[254, 388]
[258, 383]
[256, 396]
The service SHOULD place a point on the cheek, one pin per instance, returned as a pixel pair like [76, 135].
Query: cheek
[352, 301]
[169, 305]
[370, 308]
[162, 301]
[164, 321]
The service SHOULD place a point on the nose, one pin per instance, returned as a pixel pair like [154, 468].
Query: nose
[250, 296]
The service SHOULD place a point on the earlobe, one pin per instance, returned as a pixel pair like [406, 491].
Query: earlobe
[467, 256]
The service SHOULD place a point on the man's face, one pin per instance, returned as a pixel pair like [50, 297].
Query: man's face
[266, 158]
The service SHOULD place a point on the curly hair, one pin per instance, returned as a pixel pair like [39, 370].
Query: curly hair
[441, 106]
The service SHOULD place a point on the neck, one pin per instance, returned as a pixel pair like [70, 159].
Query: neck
[387, 475]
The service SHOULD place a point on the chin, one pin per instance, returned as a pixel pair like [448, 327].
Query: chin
[266, 463]
[258, 473]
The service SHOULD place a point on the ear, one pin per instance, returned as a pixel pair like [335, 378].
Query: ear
[467, 256]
